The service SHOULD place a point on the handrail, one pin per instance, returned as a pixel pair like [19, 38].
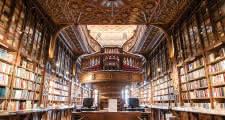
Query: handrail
[139, 118]
[123, 62]
[82, 118]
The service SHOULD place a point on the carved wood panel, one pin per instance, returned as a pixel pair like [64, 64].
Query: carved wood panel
[119, 12]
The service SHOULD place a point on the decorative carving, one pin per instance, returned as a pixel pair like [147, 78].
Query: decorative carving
[123, 12]
[154, 35]
[118, 77]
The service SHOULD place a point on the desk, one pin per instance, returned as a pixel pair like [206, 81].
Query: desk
[136, 109]
[109, 115]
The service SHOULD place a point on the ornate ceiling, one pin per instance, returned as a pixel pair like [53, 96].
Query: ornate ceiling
[74, 39]
[154, 34]
[111, 35]
[104, 12]
[113, 12]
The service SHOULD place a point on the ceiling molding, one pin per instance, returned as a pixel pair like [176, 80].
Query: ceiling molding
[96, 13]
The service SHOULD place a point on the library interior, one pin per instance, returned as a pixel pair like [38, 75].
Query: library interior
[112, 59]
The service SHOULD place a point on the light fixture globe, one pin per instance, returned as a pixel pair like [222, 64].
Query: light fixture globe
[112, 3]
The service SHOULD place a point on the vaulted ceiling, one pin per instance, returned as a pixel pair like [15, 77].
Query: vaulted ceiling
[73, 13]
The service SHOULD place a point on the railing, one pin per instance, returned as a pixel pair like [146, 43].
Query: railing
[126, 62]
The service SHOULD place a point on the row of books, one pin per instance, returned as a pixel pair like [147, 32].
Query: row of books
[184, 87]
[60, 81]
[162, 104]
[162, 86]
[22, 94]
[197, 84]
[161, 92]
[58, 86]
[20, 105]
[4, 92]
[182, 71]
[196, 74]
[219, 92]
[15, 25]
[160, 80]
[197, 63]
[216, 55]
[219, 106]
[24, 84]
[58, 92]
[4, 79]
[183, 79]
[198, 94]
[171, 90]
[201, 105]
[218, 67]
[164, 98]
[57, 98]
[5, 68]
[22, 73]
[7, 56]
[2, 105]
[187, 104]
[26, 64]
[218, 79]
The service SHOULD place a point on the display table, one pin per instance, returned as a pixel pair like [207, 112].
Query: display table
[109, 115]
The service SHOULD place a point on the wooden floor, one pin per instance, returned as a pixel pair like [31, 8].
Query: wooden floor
[109, 116]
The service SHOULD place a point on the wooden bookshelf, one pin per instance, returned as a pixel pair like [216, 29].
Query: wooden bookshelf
[76, 93]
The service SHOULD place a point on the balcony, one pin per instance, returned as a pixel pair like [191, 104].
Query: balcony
[111, 60]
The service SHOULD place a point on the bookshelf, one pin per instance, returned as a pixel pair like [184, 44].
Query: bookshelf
[199, 56]
[21, 63]
[161, 83]
[26, 83]
[59, 86]
[58, 90]
[145, 95]
[76, 93]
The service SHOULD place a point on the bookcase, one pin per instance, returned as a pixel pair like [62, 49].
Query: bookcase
[145, 95]
[58, 90]
[29, 81]
[23, 40]
[161, 83]
[199, 57]
[76, 95]
[192, 83]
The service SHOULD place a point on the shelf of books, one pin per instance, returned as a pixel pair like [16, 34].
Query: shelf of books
[134, 90]
[200, 57]
[25, 87]
[76, 93]
[161, 82]
[142, 95]
[58, 90]
[145, 97]
[21, 75]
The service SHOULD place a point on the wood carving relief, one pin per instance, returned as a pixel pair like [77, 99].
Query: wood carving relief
[112, 12]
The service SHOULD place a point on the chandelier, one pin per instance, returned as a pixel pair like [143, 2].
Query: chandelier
[112, 3]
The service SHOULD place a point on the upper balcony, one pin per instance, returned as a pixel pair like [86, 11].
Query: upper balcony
[111, 59]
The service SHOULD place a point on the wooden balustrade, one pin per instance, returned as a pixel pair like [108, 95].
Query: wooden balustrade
[112, 62]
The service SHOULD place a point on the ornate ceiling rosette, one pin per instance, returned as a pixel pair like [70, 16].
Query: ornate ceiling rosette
[113, 11]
